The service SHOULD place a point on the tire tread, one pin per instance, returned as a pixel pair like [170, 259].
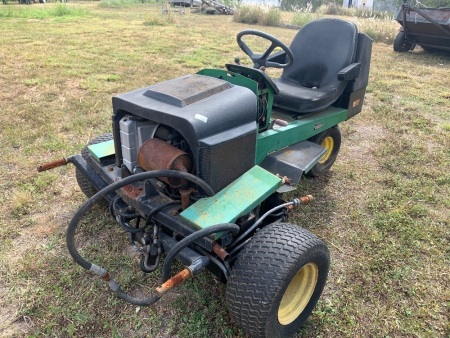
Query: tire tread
[263, 265]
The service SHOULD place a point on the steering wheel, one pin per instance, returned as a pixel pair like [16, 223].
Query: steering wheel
[260, 60]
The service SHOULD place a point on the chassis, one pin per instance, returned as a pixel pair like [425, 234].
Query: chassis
[197, 166]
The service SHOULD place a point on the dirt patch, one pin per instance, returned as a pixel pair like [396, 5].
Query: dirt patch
[11, 324]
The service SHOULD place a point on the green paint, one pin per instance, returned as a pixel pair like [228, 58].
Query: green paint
[235, 200]
[102, 150]
[296, 131]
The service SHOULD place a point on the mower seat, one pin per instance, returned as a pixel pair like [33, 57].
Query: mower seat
[324, 53]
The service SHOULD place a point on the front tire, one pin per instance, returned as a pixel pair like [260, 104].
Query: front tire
[277, 280]
[330, 139]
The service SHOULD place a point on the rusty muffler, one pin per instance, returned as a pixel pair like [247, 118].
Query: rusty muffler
[156, 154]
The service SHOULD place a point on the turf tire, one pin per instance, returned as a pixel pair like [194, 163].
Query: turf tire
[332, 150]
[264, 270]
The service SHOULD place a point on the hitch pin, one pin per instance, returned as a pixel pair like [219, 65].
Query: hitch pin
[54, 164]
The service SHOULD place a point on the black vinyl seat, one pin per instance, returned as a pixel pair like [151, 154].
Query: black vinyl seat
[324, 53]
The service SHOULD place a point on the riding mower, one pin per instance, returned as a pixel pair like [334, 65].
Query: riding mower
[196, 167]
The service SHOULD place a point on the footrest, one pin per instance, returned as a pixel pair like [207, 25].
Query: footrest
[294, 160]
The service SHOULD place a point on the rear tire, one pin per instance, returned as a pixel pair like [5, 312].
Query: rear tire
[83, 182]
[277, 280]
[400, 43]
[330, 139]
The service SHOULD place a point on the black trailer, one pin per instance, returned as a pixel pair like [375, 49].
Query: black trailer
[427, 27]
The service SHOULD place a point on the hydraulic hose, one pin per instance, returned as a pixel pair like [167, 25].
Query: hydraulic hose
[71, 230]
[294, 202]
[188, 240]
[130, 229]
[116, 210]
[156, 210]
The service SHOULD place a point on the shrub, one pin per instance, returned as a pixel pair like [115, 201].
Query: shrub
[159, 20]
[378, 30]
[248, 14]
[330, 9]
[62, 10]
[333, 9]
[301, 19]
[257, 15]
[271, 18]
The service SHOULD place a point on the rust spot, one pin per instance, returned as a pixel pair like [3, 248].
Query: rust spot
[221, 252]
[306, 199]
[174, 281]
[51, 165]
[285, 179]
[156, 154]
[132, 192]
[281, 123]
[185, 200]
[106, 277]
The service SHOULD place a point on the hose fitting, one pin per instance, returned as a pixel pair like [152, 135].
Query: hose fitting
[290, 205]
[98, 270]
[198, 265]
[306, 199]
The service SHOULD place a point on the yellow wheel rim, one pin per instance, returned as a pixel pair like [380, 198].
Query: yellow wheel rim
[328, 144]
[298, 293]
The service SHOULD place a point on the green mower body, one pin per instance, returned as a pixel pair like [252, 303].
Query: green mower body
[197, 167]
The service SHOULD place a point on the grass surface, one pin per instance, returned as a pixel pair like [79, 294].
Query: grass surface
[383, 210]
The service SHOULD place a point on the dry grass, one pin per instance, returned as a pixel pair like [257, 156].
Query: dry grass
[383, 209]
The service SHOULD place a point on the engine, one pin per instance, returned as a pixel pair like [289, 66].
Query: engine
[195, 123]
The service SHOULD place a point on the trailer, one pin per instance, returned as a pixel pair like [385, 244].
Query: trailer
[427, 27]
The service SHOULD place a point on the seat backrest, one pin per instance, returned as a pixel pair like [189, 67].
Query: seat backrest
[321, 49]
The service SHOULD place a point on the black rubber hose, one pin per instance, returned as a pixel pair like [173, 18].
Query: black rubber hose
[126, 227]
[70, 236]
[118, 212]
[136, 301]
[157, 209]
[132, 230]
[188, 240]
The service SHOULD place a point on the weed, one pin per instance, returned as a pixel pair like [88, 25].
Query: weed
[302, 18]
[335, 9]
[257, 15]
[271, 18]
[159, 20]
[248, 14]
